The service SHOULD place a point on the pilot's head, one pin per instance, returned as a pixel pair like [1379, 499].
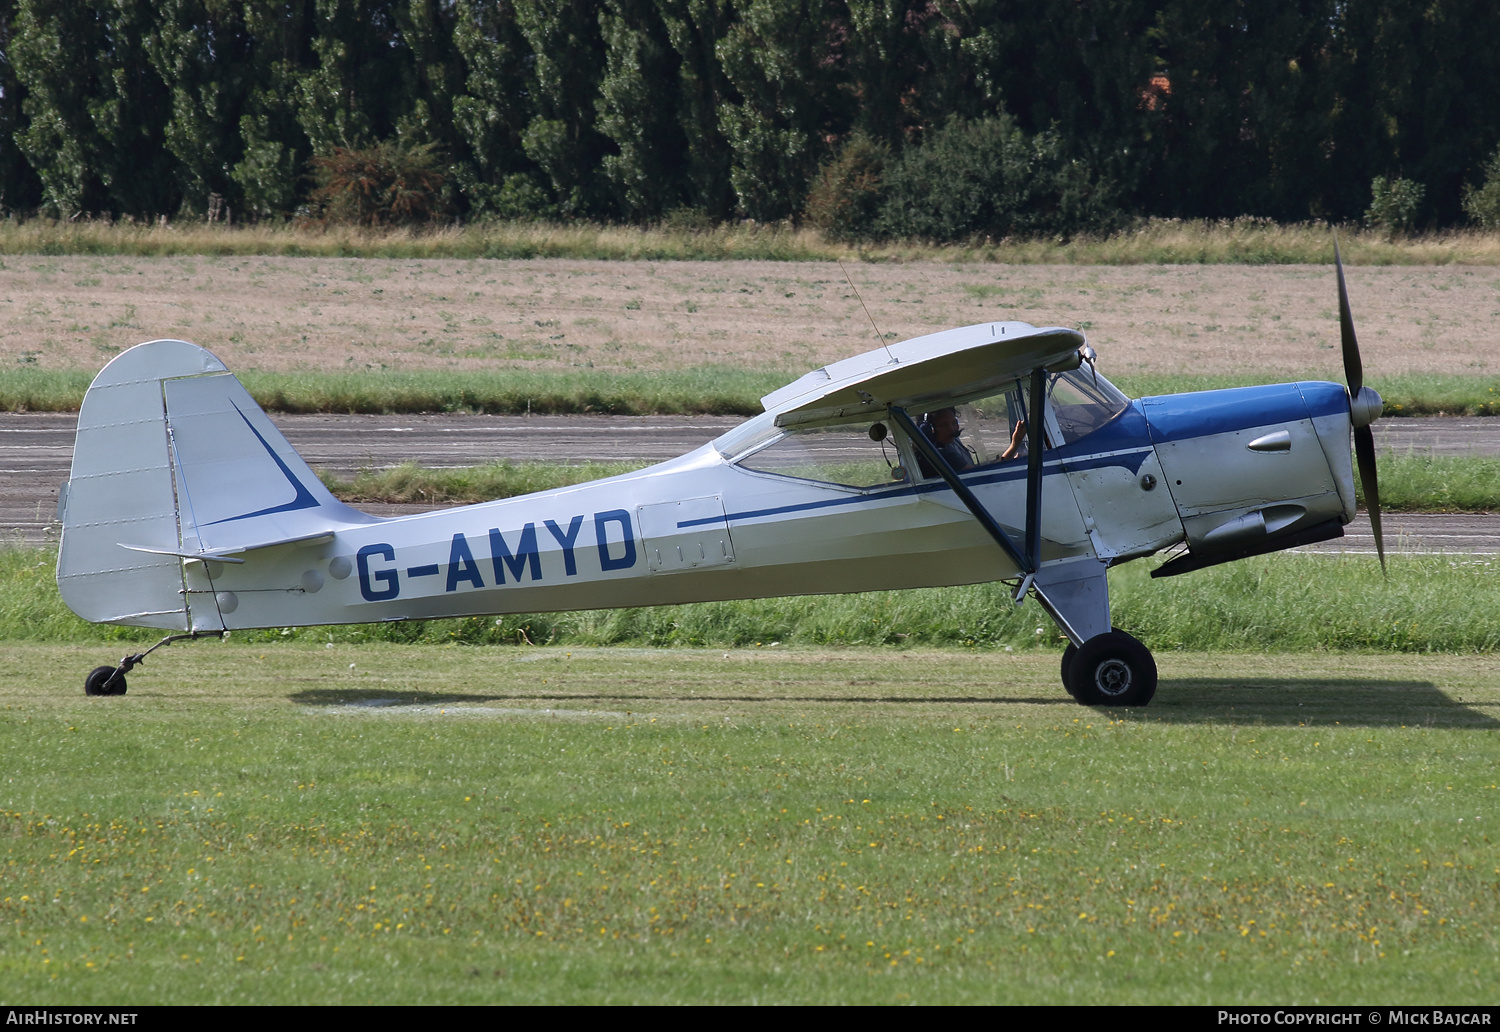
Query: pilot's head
[944, 424]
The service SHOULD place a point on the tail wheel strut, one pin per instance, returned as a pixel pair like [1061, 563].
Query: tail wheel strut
[110, 680]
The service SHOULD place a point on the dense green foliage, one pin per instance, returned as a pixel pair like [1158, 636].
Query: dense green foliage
[988, 177]
[1482, 203]
[995, 117]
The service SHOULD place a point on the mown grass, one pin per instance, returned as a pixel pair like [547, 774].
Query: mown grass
[1437, 483]
[1153, 241]
[1280, 603]
[374, 825]
[710, 390]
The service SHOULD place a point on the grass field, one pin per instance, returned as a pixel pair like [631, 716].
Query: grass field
[378, 824]
[360, 334]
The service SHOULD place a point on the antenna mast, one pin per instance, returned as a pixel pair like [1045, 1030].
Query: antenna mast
[878, 335]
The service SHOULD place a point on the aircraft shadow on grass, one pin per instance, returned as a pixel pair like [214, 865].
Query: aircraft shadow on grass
[1354, 702]
[1357, 702]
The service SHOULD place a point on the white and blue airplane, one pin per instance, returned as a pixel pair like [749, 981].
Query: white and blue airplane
[188, 511]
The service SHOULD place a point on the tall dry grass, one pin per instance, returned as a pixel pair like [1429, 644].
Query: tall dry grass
[1152, 241]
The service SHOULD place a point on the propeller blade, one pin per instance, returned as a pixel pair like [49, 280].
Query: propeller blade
[1364, 453]
[1354, 372]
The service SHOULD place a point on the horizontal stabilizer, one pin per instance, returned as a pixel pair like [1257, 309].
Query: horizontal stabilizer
[182, 554]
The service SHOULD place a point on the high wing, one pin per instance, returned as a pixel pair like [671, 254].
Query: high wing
[949, 364]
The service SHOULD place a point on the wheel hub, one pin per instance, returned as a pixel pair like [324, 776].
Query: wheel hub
[1113, 677]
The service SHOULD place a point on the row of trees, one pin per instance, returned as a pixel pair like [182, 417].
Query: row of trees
[716, 109]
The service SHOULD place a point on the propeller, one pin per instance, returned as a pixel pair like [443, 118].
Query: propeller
[1365, 406]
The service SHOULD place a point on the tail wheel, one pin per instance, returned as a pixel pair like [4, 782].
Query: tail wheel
[98, 682]
[1112, 669]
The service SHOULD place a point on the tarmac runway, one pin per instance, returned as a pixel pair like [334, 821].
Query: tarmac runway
[36, 451]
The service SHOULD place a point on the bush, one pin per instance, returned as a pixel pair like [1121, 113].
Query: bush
[1394, 204]
[844, 201]
[1483, 204]
[385, 185]
[687, 219]
[988, 177]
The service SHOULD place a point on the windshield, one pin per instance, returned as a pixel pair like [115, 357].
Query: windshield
[748, 436]
[1083, 402]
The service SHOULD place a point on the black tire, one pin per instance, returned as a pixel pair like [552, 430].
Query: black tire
[1113, 669]
[97, 683]
[1069, 654]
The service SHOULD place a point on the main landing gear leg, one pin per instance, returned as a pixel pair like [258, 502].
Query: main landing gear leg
[110, 680]
[1103, 666]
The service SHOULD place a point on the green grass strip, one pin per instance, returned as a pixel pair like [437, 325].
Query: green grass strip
[712, 390]
[1273, 603]
[716, 390]
[1437, 483]
[701, 390]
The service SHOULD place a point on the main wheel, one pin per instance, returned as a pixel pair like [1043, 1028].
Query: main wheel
[1069, 654]
[96, 682]
[1112, 669]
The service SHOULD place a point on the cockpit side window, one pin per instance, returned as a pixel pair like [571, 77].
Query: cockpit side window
[978, 432]
[993, 428]
[852, 455]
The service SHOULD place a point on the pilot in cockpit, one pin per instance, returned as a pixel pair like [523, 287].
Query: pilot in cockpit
[943, 429]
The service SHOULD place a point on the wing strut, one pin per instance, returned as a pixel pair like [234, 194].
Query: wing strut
[950, 476]
[1076, 593]
[1034, 428]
